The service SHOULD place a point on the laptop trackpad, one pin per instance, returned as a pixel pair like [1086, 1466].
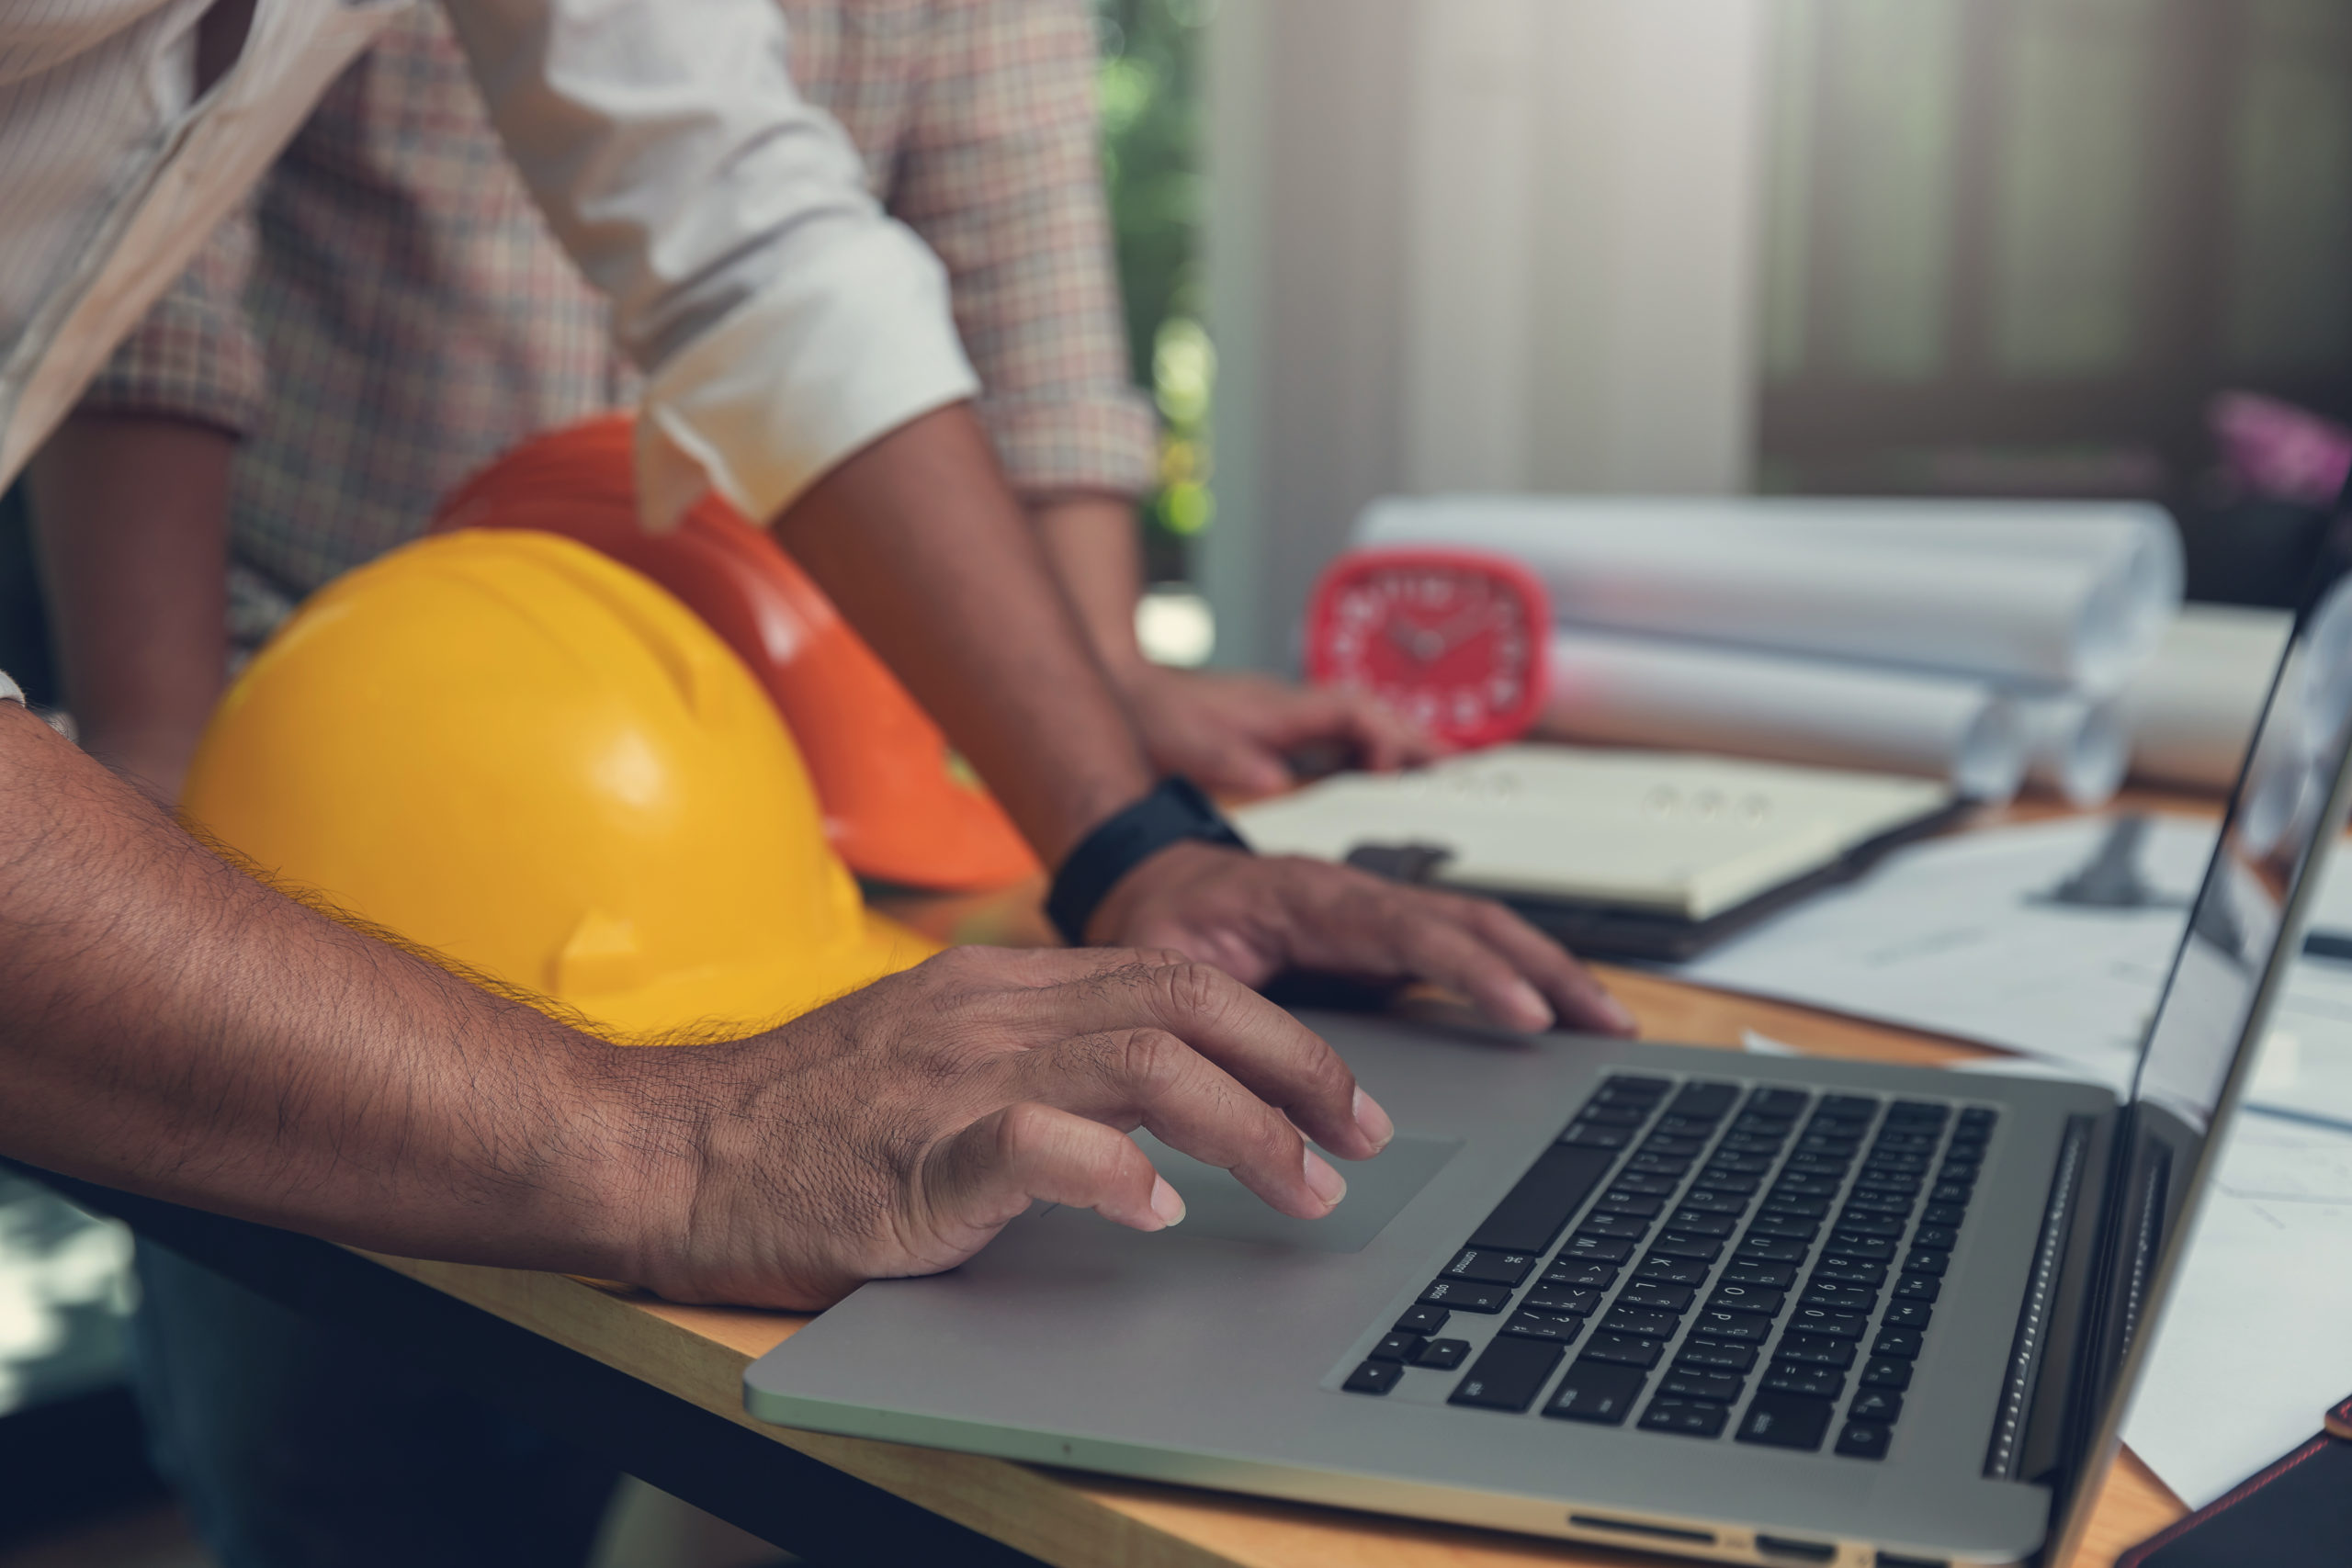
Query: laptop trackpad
[1218, 1205]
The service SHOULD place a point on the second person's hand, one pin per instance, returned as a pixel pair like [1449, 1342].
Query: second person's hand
[1255, 917]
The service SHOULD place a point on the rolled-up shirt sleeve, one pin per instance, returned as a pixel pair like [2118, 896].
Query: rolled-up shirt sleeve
[782, 318]
[195, 355]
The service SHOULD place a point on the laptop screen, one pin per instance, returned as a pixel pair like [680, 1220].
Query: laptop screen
[2242, 928]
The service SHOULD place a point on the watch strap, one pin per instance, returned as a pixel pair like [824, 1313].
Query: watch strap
[1174, 812]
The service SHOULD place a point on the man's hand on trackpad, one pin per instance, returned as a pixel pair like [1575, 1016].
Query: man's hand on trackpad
[896, 1131]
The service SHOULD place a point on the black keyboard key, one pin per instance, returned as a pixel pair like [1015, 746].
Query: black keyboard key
[1707, 1201]
[1643, 1321]
[1746, 1298]
[1622, 1350]
[1938, 1238]
[1762, 1124]
[1851, 1105]
[1893, 1205]
[1862, 1248]
[1779, 1102]
[1886, 1374]
[1918, 1114]
[1732, 1328]
[1422, 1320]
[1826, 1168]
[1656, 1165]
[1626, 1227]
[1828, 1143]
[1700, 1248]
[1461, 1296]
[1646, 1186]
[1896, 1138]
[1851, 1223]
[1809, 1383]
[1902, 1343]
[1909, 1314]
[1836, 1325]
[1790, 1206]
[1786, 1421]
[1864, 1439]
[1596, 1391]
[1705, 1101]
[1754, 1272]
[1897, 1162]
[1674, 1145]
[1373, 1377]
[1688, 1416]
[1490, 1267]
[1559, 1327]
[1900, 1185]
[1598, 1115]
[1875, 1405]
[1596, 1249]
[1444, 1354]
[1806, 1187]
[1692, 1127]
[1714, 1388]
[1978, 1116]
[1787, 1227]
[1730, 1181]
[1831, 1271]
[1636, 1084]
[1622, 1202]
[1687, 1223]
[1657, 1297]
[1816, 1350]
[1563, 1298]
[1739, 1165]
[1399, 1347]
[1671, 1270]
[1840, 1298]
[1771, 1249]
[1508, 1374]
[1751, 1143]
[1701, 1355]
[1536, 1210]
[1950, 1192]
[1924, 1262]
[1573, 1273]
[1585, 1135]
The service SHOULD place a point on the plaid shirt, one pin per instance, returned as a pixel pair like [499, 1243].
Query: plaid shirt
[392, 312]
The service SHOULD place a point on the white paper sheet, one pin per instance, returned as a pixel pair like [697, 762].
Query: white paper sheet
[2253, 1346]
[2058, 595]
[1634, 691]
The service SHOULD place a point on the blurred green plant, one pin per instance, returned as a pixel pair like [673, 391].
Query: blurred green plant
[1149, 91]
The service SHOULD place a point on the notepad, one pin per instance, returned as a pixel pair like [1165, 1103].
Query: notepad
[1675, 837]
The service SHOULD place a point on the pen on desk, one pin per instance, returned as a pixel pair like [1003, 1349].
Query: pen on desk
[2335, 945]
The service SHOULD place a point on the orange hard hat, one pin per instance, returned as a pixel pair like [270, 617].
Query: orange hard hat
[899, 805]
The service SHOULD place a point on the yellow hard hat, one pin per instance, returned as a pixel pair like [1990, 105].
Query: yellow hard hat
[510, 749]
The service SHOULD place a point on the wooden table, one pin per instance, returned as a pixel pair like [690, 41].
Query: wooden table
[658, 1386]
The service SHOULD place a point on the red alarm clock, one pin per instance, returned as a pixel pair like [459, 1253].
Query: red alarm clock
[1456, 640]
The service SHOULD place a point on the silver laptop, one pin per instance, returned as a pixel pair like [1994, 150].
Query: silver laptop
[1748, 1309]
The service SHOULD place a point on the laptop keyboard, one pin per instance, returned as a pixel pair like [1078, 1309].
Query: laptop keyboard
[1761, 1262]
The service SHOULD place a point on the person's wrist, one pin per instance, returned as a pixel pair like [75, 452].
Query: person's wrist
[1173, 811]
[626, 1160]
[1179, 862]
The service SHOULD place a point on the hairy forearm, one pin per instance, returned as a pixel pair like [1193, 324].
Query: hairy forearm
[171, 1026]
[131, 516]
[926, 552]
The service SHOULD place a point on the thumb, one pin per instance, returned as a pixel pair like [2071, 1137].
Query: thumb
[986, 1175]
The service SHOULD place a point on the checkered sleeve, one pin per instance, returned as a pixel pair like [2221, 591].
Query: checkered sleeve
[1000, 174]
[195, 355]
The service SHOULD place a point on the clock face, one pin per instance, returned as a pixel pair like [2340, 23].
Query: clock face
[1452, 639]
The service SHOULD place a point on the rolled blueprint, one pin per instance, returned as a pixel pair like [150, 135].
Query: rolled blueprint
[1631, 691]
[2190, 710]
[2077, 747]
[2070, 595]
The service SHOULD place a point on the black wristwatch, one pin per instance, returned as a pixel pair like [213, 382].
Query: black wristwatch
[1174, 812]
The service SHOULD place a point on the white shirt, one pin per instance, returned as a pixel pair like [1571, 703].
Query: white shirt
[782, 319]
